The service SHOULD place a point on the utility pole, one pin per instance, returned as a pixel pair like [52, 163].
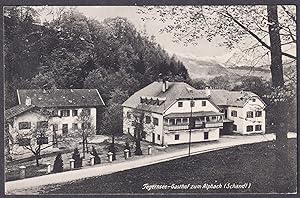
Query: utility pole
[191, 116]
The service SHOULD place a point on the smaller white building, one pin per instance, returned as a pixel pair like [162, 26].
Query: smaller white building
[55, 111]
[244, 111]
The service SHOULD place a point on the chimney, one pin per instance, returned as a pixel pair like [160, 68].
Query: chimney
[165, 86]
[27, 101]
[207, 91]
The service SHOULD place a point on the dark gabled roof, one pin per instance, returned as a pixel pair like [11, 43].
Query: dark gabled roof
[61, 97]
[230, 98]
[176, 90]
[16, 110]
[194, 114]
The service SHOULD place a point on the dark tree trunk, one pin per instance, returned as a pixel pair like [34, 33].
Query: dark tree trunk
[280, 108]
[138, 150]
[83, 146]
[87, 146]
[113, 147]
[37, 157]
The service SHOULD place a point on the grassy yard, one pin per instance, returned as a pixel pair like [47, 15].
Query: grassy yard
[243, 164]
[12, 168]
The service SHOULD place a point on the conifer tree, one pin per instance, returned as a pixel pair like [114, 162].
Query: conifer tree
[77, 158]
[58, 164]
[97, 158]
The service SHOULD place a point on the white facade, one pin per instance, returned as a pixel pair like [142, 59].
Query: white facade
[196, 136]
[55, 124]
[241, 121]
[164, 134]
[186, 106]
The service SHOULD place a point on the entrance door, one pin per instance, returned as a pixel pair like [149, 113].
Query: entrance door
[153, 138]
[206, 135]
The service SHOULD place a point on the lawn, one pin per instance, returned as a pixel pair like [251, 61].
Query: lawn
[12, 167]
[242, 165]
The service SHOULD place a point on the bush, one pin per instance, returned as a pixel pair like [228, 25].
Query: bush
[77, 158]
[97, 158]
[58, 164]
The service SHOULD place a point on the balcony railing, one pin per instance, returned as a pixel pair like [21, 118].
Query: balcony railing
[200, 125]
[177, 127]
[213, 124]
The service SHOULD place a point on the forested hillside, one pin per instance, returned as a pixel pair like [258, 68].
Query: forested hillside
[73, 51]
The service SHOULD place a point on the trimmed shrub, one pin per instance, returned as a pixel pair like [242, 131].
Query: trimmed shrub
[77, 158]
[97, 158]
[58, 164]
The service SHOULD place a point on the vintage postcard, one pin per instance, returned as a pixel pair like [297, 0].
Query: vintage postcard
[150, 100]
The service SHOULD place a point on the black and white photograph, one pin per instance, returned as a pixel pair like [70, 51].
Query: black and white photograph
[150, 99]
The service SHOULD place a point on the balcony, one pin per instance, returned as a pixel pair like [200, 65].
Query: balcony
[200, 125]
[177, 127]
[213, 124]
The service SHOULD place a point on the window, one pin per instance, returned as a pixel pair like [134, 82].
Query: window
[74, 112]
[155, 121]
[258, 113]
[234, 113]
[249, 128]
[203, 103]
[180, 104]
[220, 118]
[128, 115]
[86, 125]
[249, 114]
[54, 112]
[128, 130]
[253, 100]
[234, 127]
[65, 128]
[65, 113]
[213, 117]
[74, 125]
[177, 137]
[148, 119]
[55, 127]
[87, 111]
[205, 135]
[42, 124]
[192, 103]
[184, 120]
[178, 121]
[257, 127]
[172, 121]
[24, 141]
[24, 125]
[158, 137]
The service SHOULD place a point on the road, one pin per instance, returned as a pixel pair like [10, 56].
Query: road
[104, 169]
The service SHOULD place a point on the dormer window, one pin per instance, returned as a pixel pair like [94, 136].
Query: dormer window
[143, 100]
[253, 100]
[180, 104]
